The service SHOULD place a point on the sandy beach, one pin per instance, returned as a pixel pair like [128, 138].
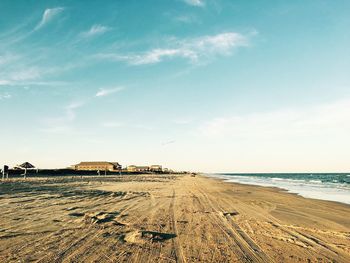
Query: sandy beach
[166, 218]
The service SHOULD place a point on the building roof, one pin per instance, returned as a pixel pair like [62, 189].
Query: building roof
[96, 163]
[135, 166]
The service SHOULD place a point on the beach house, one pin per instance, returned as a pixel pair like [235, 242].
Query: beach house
[156, 168]
[134, 168]
[95, 166]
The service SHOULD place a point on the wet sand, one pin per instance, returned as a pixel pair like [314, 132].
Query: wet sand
[161, 218]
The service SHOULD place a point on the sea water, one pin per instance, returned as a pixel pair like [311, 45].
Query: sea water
[325, 186]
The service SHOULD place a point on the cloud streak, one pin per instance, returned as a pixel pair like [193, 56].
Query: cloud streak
[329, 119]
[107, 92]
[193, 50]
[199, 3]
[5, 96]
[48, 16]
[95, 30]
[20, 75]
[71, 108]
[63, 124]
[8, 58]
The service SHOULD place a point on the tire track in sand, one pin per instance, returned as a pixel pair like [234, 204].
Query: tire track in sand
[251, 251]
[176, 248]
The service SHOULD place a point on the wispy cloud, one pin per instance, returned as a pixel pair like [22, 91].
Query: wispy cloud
[190, 49]
[331, 119]
[195, 2]
[31, 70]
[168, 142]
[95, 30]
[5, 96]
[106, 92]
[63, 124]
[26, 74]
[48, 16]
[20, 75]
[158, 55]
[8, 58]
[71, 108]
[187, 19]
[4, 82]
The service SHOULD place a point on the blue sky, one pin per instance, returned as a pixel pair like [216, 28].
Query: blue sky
[208, 85]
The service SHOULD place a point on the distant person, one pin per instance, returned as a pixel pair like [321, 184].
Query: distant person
[98, 172]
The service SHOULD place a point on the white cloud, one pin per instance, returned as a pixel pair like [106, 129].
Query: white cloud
[191, 49]
[8, 58]
[187, 19]
[63, 124]
[26, 74]
[5, 96]
[106, 92]
[168, 142]
[49, 15]
[20, 75]
[71, 108]
[158, 55]
[95, 30]
[194, 2]
[329, 119]
[4, 82]
[24, 71]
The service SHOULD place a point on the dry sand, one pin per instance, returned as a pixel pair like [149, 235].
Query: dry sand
[158, 218]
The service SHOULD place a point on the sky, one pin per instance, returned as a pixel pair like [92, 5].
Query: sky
[200, 85]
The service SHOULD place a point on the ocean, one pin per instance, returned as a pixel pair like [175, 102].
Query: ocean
[325, 186]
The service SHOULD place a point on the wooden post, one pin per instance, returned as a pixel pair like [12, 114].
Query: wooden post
[5, 172]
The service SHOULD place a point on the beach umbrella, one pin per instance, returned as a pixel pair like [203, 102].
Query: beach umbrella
[26, 166]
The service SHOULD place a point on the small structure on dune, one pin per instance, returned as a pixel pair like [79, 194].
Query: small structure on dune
[25, 166]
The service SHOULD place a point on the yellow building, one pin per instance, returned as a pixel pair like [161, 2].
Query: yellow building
[97, 166]
[152, 168]
[156, 168]
[134, 168]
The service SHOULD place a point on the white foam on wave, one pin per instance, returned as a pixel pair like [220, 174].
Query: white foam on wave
[310, 189]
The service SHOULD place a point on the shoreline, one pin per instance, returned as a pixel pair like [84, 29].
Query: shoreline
[165, 219]
[275, 189]
[303, 189]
